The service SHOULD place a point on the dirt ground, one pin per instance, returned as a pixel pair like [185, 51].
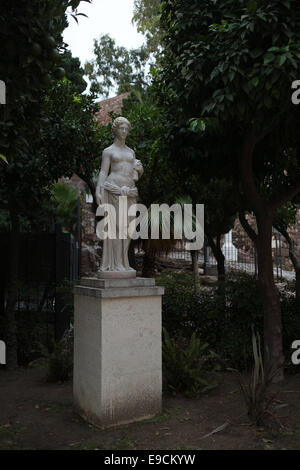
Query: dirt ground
[37, 415]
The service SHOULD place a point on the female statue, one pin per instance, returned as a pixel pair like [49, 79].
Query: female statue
[118, 174]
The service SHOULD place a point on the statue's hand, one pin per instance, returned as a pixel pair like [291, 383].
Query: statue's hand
[125, 191]
[138, 166]
[99, 196]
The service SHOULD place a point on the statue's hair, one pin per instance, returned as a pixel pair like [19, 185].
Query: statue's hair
[117, 122]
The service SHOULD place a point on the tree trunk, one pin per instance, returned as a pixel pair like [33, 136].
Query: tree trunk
[218, 254]
[264, 212]
[273, 354]
[12, 291]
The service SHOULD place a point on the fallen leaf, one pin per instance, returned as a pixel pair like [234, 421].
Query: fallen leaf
[218, 429]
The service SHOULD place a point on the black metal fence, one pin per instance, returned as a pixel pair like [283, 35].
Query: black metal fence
[240, 255]
[48, 265]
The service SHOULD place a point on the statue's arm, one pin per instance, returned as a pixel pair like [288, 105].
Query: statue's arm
[138, 166]
[105, 164]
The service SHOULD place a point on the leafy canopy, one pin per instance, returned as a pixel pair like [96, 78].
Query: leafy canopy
[226, 74]
[116, 67]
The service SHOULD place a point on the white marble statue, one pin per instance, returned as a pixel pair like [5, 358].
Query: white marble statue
[118, 174]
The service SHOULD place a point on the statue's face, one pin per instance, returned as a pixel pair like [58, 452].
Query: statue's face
[122, 131]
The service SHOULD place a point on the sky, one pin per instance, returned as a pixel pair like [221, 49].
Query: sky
[104, 16]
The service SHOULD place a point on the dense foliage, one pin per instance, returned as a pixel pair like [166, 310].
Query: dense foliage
[32, 63]
[225, 79]
[227, 330]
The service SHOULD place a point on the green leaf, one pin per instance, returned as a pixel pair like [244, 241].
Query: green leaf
[3, 158]
[281, 59]
[269, 57]
[251, 6]
[268, 86]
[268, 101]
[197, 125]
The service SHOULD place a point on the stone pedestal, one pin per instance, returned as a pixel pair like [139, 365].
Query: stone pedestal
[117, 350]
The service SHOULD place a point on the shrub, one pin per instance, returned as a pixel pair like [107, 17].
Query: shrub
[223, 315]
[256, 394]
[59, 362]
[242, 311]
[31, 334]
[185, 366]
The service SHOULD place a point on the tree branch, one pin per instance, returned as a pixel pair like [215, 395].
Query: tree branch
[291, 244]
[246, 226]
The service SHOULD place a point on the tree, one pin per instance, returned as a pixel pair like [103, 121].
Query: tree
[32, 35]
[146, 15]
[74, 72]
[71, 130]
[220, 214]
[229, 66]
[116, 67]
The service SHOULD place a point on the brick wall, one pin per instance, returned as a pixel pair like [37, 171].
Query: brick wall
[114, 104]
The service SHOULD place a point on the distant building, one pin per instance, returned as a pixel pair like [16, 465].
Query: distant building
[114, 104]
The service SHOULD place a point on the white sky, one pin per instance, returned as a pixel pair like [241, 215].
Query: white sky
[111, 17]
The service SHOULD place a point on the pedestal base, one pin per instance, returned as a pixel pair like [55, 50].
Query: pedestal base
[117, 274]
[117, 350]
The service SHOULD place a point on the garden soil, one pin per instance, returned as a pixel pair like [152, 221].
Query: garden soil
[35, 414]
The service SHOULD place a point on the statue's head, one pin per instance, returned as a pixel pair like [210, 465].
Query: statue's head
[120, 122]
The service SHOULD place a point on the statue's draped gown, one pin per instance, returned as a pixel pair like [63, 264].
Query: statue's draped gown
[115, 252]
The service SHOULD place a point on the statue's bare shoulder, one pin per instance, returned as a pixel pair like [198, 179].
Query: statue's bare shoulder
[108, 151]
[130, 150]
